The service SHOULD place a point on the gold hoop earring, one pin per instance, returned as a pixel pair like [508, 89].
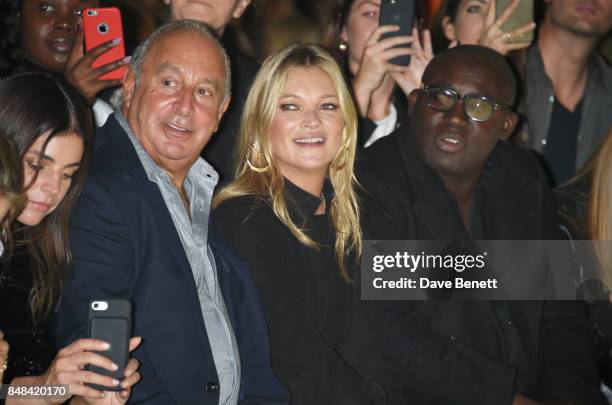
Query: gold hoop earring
[255, 145]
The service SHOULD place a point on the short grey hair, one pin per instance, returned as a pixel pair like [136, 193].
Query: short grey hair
[194, 26]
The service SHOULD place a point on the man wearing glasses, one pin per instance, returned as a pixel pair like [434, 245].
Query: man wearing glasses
[452, 176]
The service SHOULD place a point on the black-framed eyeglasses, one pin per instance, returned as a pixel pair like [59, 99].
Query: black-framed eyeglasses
[477, 108]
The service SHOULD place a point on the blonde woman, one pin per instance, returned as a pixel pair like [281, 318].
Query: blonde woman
[585, 205]
[599, 213]
[292, 215]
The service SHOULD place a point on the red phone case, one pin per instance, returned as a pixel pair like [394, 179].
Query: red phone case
[101, 25]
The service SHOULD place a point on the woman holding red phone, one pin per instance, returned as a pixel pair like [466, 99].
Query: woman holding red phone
[47, 122]
[51, 39]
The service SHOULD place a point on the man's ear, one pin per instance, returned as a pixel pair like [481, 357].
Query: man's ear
[449, 28]
[508, 126]
[128, 87]
[240, 7]
[412, 99]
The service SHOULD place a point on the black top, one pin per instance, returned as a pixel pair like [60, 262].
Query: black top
[562, 142]
[307, 305]
[32, 346]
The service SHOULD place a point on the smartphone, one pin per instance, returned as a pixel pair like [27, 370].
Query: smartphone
[401, 13]
[102, 25]
[522, 15]
[111, 321]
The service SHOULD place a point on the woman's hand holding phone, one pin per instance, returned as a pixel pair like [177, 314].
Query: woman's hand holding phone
[375, 64]
[492, 35]
[80, 71]
[131, 377]
[68, 368]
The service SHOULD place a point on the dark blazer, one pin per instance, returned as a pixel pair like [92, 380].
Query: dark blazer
[125, 245]
[312, 314]
[453, 352]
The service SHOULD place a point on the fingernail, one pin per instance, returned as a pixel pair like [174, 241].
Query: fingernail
[114, 366]
[115, 382]
[103, 394]
[116, 41]
[127, 59]
[105, 345]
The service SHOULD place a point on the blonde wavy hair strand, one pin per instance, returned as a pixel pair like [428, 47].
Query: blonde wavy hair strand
[599, 214]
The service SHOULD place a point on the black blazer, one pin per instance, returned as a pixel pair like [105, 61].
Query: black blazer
[452, 352]
[125, 245]
[310, 311]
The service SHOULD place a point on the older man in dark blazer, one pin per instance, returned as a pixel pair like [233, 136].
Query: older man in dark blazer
[140, 232]
[453, 177]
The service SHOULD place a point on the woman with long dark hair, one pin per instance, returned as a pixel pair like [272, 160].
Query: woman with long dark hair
[49, 125]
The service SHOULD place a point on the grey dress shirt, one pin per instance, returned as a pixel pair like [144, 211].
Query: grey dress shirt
[193, 232]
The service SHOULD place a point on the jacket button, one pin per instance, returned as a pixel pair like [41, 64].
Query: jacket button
[212, 387]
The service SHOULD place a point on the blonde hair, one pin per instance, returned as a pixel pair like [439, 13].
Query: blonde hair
[269, 184]
[599, 213]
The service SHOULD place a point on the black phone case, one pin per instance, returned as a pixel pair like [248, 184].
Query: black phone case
[113, 325]
[401, 13]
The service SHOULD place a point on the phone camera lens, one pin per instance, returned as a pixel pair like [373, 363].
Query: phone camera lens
[92, 13]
